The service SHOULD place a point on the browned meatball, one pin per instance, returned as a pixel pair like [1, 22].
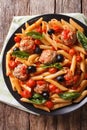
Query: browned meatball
[68, 37]
[47, 56]
[27, 45]
[41, 88]
[20, 72]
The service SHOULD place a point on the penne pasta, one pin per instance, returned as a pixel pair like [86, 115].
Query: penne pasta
[34, 25]
[73, 65]
[68, 24]
[77, 26]
[53, 43]
[64, 53]
[52, 76]
[84, 93]
[61, 87]
[59, 105]
[82, 64]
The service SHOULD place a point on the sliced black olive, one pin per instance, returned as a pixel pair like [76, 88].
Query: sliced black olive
[50, 31]
[45, 94]
[16, 49]
[31, 69]
[37, 50]
[60, 78]
[59, 58]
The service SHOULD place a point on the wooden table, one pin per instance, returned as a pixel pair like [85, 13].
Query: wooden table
[12, 118]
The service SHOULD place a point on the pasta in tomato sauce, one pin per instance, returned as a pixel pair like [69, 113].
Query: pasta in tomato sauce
[47, 64]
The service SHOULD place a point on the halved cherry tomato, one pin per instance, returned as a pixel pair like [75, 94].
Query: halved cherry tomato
[65, 34]
[52, 70]
[34, 46]
[49, 104]
[26, 94]
[31, 83]
[57, 28]
[41, 82]
[17, 39]
[75, 78]
[58, 91]
[86, 76]
[72, 51]
[37, 42]
[78, 58]
[52, 87]
[12, 64]
[39, 29]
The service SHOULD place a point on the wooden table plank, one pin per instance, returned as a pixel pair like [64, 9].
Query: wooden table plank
[68, 6]
[41, 7]
[84, 7]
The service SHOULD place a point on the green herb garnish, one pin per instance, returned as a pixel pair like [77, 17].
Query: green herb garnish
[69, 95]
[82, 39]
[55, 65]
[37, 99]
[35, 35]
[20, 54]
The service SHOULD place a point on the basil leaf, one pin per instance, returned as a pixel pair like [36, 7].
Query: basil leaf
[55, 65]
[69, 95]
[82, 39]
[35, 35]
[20, 54]
[37, 99]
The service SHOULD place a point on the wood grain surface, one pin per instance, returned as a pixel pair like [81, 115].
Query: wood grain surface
[12, 118]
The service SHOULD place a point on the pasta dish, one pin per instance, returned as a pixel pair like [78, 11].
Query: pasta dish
[47, 64]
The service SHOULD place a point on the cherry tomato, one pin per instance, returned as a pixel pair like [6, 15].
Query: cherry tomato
[44, 30]
[57, 28]
[52, 87]
[58, 91]
[12, 64]
[37, 42]
[74, 87]
[75, 78]
[86, 76]
[49, 104]
[65, 34]
[34, 46]
[31, 83]
[17, 39]
[39, 29]
[26, 94]
[72, 51]
[78, 58]
[41, 82]
[52, 70]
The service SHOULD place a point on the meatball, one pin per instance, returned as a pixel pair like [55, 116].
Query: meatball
[68, 37]
[20, 72]
[41, 88]
[27, 45]
[47, 56]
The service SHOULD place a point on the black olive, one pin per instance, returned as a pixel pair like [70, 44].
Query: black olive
[31, 69]
[45, 94]
[59, 58]
[38, 50]
[60, 78]
[16, 49]
[50, 31]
